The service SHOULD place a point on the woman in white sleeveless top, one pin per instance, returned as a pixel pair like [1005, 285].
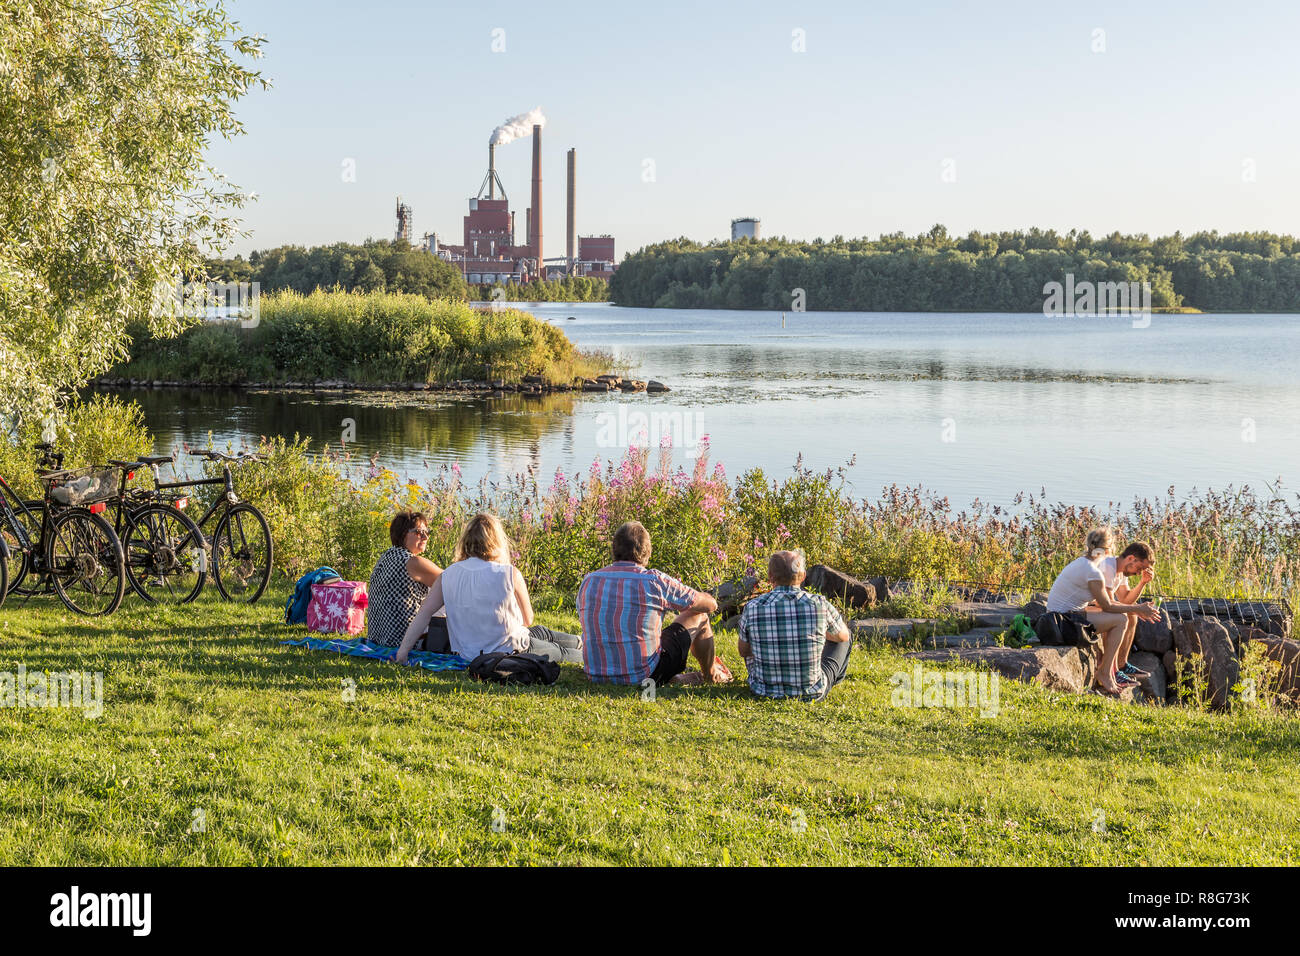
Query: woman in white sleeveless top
[487, 602]
[1084, 586]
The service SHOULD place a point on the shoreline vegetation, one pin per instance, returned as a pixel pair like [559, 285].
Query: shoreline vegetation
[981, 272]
[373, 339]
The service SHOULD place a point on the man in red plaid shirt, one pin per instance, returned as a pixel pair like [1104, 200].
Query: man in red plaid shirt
[621, 606]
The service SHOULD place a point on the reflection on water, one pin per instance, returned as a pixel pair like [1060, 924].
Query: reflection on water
[1092, 410]
[412, 433]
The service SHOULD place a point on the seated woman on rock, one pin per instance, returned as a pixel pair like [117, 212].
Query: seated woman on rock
[487, 603]
[1082, 587]
[400, 581]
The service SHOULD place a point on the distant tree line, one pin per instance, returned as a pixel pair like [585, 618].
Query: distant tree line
[380, 265]
[568, 289]
[982, 272]
[376, 265]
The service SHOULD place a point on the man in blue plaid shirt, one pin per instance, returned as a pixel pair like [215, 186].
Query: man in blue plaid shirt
[794, 642]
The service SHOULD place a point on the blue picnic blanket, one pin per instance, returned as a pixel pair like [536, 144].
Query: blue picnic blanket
[357, 647]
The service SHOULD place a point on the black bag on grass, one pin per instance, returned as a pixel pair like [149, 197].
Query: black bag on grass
[516, 668]
[1064, 630]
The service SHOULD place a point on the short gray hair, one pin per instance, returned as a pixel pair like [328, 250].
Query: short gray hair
[783, 567]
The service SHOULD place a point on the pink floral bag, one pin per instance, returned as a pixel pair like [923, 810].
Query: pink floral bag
[338, 607]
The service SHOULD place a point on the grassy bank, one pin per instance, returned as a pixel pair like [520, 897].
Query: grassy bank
[362, 338]
[204, 710]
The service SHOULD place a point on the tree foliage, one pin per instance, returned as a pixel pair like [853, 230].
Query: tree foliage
[982, 272]
[377, 265]
[105, 112]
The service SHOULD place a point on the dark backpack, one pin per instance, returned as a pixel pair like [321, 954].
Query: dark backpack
[1064, 630]
[516, 668]
[295, 609]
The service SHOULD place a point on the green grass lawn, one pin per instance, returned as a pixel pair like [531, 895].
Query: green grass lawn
[205, 710]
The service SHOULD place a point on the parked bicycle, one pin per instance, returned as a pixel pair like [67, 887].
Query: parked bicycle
[63, 544]
[166, 555]
[240, 545]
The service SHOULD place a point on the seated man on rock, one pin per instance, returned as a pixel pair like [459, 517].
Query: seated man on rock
[1136, 559]
[622, 606]
[794, 642]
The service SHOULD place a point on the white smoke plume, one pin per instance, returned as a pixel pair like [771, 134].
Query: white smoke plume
[517, 127]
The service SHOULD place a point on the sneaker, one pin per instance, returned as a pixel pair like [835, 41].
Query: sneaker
[1132, 671]
[1124, 680]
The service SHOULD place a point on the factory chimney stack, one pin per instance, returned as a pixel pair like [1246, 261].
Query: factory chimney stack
[535, 220]
[570, 211]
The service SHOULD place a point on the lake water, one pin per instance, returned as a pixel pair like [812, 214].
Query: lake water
[1091, 410]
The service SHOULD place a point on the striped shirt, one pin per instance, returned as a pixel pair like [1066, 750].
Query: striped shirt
[786, 631]
[622, 612]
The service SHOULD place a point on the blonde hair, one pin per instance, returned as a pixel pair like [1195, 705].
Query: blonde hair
[483, 537]
[1100, 539]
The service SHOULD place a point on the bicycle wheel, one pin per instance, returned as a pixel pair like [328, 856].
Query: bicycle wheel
[19, 561]
[4, 577]
[86, 563]
[166, 562]
[241, 554]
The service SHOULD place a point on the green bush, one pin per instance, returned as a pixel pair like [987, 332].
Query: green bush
[91, 432]
[364, 338]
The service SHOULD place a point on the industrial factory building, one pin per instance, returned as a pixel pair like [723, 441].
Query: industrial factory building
[489, 252]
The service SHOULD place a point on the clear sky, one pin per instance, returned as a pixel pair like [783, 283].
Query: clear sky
[894, 116]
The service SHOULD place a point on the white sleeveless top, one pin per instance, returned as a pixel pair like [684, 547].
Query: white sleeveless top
[482, 613]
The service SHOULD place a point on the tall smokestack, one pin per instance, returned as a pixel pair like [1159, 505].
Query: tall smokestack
[492, 170]
[535, 222]
[570, 211]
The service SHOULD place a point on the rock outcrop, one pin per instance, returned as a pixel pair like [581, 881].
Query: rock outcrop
[1209, 640]
[840, 586]
[1067, 669]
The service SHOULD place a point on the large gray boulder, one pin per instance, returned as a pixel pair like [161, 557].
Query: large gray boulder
[985, 614]
[731, 595]
[840, 586]
[1036, 607]
[1155, 637]
[1157, 685]
[1210, 640]
[1286, 653]
[1067, 669]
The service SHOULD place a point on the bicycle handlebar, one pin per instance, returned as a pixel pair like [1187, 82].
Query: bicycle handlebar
[221, 456]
